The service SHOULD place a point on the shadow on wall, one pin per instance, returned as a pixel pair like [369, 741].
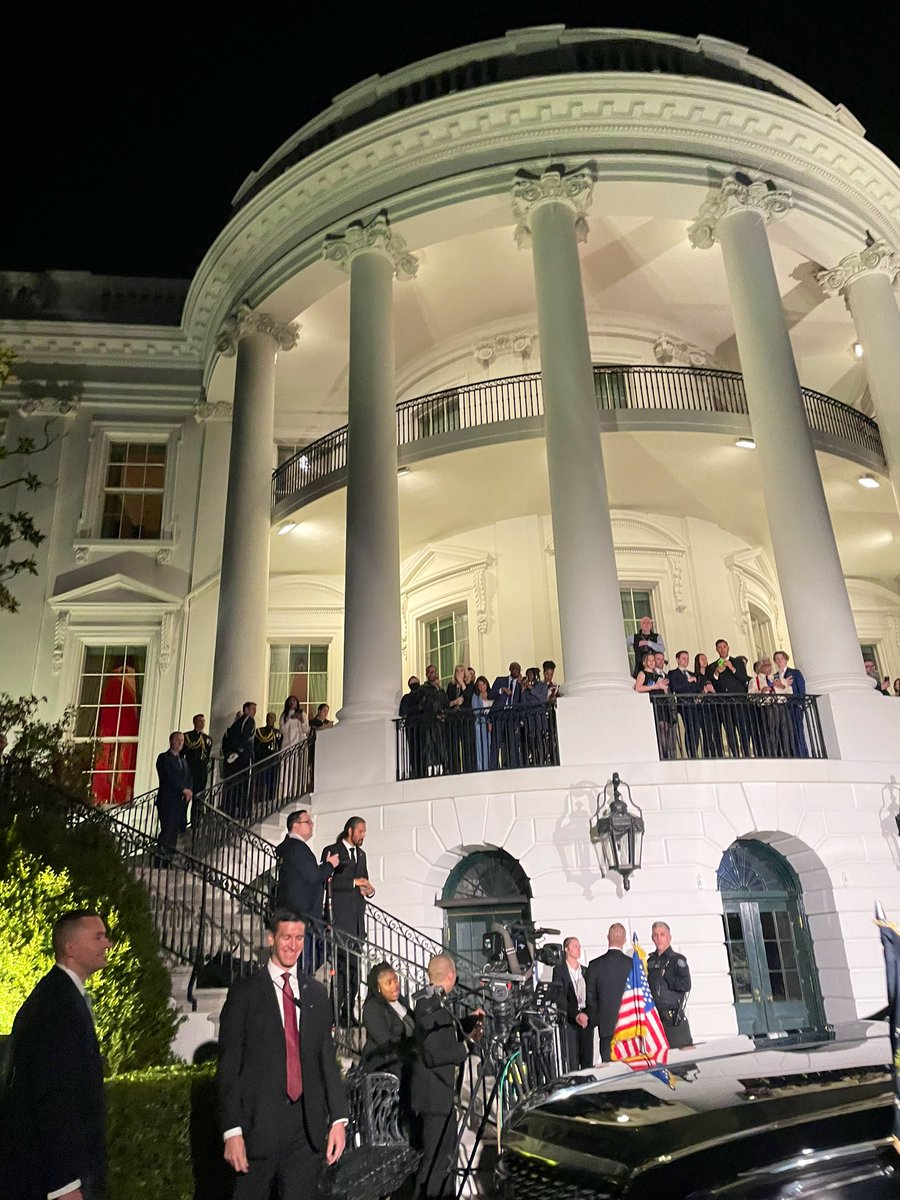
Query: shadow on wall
[579, 858]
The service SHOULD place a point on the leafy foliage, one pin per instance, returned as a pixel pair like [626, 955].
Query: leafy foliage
[46, 866]
[18, 531]
[162, 1137]
[45, 747]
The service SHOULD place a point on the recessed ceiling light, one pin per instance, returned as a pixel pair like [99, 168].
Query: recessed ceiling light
[287, 527]
[745, 443]
[402, 471]
[868, 481]
[623, 1118]
[857, 350]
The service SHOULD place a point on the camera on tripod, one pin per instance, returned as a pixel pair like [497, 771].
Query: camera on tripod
[512, 950]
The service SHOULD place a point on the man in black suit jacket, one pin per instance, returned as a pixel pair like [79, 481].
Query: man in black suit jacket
[684, 684]
[173, 796]
[345, 906]
[606, 979]
[506, 739]
[52, 1114]
[237, 751]
[441, 1045]
[579, 1032]
[301, 880]
[281, 1099]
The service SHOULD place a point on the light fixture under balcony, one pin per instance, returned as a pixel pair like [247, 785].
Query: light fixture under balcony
[745, 443]
[857, 350]
[287, 527]
[868, 481]
[401, 471]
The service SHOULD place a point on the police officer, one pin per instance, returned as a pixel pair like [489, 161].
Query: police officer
[670, 981]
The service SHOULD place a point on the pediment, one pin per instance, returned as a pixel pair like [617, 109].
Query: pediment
[114, 590]
[441, 562]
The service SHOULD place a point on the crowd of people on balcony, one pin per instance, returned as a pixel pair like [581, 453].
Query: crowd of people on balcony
[474, 725]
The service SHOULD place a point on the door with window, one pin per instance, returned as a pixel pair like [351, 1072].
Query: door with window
[635, 605]
[487, 886]
[770, 953]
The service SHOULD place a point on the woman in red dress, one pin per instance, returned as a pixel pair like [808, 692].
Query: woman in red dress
[119, 716]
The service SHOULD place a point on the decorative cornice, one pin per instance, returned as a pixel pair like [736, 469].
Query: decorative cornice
[556, 185]
[48, 398]
[520, 344]
[374, 236]
[246, 320]
[878, 258]
[205, 411]
[58, 652]
[738, 193]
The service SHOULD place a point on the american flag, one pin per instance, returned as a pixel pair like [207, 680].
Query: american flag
[639, 1038]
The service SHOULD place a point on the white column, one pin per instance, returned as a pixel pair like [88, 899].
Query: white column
[817, 607]
[551, 214]
[239, 667]
[867, 280]
[372, 254]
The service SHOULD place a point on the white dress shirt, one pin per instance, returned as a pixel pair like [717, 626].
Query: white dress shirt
[578, 984]
[79, 983]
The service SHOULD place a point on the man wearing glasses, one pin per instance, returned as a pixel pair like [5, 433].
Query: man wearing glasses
[301, 878]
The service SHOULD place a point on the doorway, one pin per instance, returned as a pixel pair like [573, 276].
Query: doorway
[770, 951]
[486, 886]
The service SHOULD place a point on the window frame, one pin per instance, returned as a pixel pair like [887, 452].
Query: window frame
[454, 609]
[105, 434]
[290, 640]
[633, 587]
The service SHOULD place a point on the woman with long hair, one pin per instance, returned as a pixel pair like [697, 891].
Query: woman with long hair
[294, 728]
[710, 724]
[481, 706]
[462, 744]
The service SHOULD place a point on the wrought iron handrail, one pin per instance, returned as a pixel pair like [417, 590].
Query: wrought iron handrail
[737, 726]
[464, 740]
[618, 388]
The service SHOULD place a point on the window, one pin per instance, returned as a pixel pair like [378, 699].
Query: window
[869, 651]
[761, 633]
[133, 489]
[635, 604]
[285, 451]
[108, 714]
[447, 641]
[298, 669]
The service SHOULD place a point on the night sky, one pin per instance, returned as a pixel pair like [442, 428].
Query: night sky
[123, 145]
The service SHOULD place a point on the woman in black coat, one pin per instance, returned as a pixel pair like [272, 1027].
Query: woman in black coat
[390, 1029]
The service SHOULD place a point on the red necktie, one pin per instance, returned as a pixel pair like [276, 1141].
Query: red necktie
[291, 1040]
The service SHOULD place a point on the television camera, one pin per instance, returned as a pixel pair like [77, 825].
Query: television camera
[516, 993]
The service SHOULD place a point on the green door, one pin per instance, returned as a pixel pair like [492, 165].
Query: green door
[770, 954]
[486, 886]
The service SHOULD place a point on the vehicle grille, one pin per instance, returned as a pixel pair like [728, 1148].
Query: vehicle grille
[523, 1178]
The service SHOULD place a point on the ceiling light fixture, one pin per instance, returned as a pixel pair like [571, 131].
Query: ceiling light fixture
[745, 443]
[868, 481]
[402, 471]
[287, 527]
[857, 350]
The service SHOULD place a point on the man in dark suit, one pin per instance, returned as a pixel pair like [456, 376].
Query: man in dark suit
[506, 739]
[237, 751]
[52, 1114]
[606, 979]
[301, 880]
[196, 753]
[281, 1099]
[684, 684]
[579, 1033]
[729, 678]
[173, 796]
[345, 907]
[442, 1046]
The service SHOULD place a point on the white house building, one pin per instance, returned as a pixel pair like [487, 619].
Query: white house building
[538, 337]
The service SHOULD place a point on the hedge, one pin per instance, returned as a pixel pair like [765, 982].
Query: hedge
[163, 1139]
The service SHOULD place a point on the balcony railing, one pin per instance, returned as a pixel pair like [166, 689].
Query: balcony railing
[467, 740]
[449, 414]
[758, 726]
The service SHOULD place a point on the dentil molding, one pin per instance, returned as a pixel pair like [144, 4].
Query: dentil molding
[246, 320]
[878, 258]
[738, 193]
[375, 235]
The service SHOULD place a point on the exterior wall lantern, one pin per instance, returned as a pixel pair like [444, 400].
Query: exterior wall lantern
[618, 828]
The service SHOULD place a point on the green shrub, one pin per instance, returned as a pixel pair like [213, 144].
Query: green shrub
[45, 868]
[163, 1140]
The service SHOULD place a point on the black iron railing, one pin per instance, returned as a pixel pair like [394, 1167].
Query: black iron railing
[251, 795]
[458, 742]
[519, 398]
[757, 726]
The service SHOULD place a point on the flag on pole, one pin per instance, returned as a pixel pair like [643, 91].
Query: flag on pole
[639, 1039]
[890, 942]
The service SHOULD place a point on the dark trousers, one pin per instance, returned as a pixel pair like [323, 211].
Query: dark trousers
[295, 1165]
[170, 813]
[579, 1046]
[347, 985]
[236, 797]
[606, 1048]
[438, 1144]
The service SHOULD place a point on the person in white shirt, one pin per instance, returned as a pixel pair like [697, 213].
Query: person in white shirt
[573, 978]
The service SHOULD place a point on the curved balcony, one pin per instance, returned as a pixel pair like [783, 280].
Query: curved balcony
[686, 399]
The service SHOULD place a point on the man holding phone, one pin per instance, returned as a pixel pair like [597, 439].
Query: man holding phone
[729, 678]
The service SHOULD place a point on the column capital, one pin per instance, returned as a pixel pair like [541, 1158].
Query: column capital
[374, 236]
[556, 185]
[246, 320]
[738, 192]
[876, 258]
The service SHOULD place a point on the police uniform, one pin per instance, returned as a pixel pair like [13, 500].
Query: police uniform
[670, 980]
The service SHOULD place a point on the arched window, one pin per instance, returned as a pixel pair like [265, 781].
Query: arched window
[485, 887]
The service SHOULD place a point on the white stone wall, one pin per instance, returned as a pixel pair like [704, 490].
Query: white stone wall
[833, 823]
